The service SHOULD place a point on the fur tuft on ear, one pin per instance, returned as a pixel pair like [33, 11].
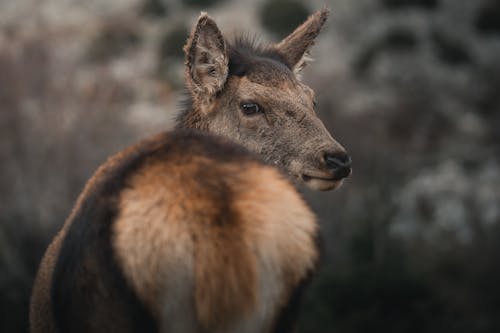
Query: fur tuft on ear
[296, 46]
[206, 60]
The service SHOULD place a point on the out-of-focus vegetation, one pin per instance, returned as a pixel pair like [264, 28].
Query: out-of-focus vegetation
[397, 4]
[43, 168]
[281, 16]
[171, 55]
[114, 39]
[410, 87]
[201, 3]
[154, 8]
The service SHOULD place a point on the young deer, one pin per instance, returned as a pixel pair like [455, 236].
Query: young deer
[187, 232]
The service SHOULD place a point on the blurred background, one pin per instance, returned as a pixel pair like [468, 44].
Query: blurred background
[410, 87]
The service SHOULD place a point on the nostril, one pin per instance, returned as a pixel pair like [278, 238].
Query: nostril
[338, 161]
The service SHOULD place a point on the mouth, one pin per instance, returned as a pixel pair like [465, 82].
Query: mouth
[307, 178]
[321, 182]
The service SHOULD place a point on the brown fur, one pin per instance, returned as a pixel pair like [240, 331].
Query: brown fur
[201, 229]
[187, 233]
[217, 245]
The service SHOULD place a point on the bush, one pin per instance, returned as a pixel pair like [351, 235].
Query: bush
[370, 293]
[395, 4]
[280, 17]
[201, 3]
[154, 8]
[397, 39]
[488, 18]
[115, 39]
[54, 135]
[173, 41]
[450, 50]
[171, 54]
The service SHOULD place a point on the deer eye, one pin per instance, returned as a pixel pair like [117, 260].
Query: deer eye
[250, 108]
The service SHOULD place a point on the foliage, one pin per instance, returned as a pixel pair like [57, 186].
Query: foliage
[171, 55]
[173, 41]
[114, 39]
[154, 8]
[397, 39]
[488, 18]
[201, 3]
[54, 134]
[427, 4]
[450, 50]
[281, 16]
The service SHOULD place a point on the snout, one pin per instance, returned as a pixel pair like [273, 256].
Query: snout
[339, 164]
[331, 168]
[321, 163]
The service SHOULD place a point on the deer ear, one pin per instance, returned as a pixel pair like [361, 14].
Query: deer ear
[206, 59]
[295, 47]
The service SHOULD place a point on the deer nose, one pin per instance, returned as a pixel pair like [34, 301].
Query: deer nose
[339, 163]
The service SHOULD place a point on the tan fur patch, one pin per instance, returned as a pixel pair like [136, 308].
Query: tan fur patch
[173, 246]
[282, 230]
[223, 266]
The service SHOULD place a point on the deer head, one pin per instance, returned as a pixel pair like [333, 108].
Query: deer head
[253, 95]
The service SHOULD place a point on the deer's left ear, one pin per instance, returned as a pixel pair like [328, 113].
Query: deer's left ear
[295, 47]
[206, 59]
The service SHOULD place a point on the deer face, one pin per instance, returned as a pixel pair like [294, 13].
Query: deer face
[253, 96]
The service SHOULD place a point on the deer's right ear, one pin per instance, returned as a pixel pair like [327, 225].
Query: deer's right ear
[206, 59]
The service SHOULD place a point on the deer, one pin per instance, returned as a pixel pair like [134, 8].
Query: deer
[202, 228]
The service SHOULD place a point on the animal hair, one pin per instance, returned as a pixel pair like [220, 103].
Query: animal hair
[243, 51]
